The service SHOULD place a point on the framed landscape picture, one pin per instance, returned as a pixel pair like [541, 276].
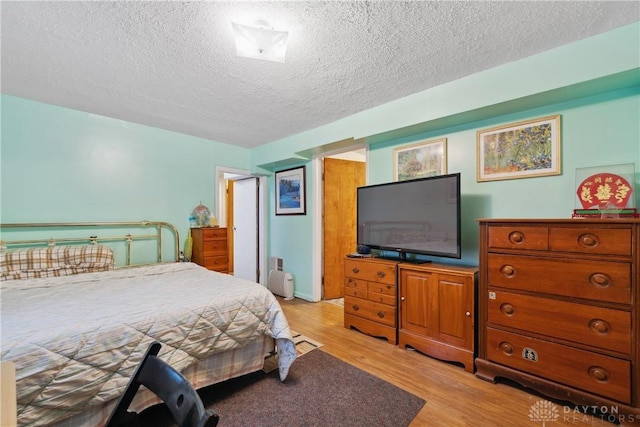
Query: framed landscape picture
[291, 192]
[420, 160]
[524, 149]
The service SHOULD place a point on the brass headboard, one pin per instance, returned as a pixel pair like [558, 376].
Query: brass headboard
[65, 229]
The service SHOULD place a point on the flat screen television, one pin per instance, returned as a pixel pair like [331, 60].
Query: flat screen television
[420, 216]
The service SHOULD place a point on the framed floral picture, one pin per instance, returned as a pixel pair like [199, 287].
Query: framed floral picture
[420, 160]
[291, 192]
[524, 149]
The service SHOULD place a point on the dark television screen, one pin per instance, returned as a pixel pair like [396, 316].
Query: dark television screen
[420, 216]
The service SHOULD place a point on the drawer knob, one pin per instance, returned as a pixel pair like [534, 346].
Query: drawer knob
[380, 314]
[600, 279]
[599, 326]
[355, 270]
[507, 309]
[506, 348]
[588, 240]
[381, 274]
[355, 307]
[516, 237]
[507, 270]
[599, 373]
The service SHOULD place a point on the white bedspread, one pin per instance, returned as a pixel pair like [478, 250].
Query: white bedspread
[76, 340]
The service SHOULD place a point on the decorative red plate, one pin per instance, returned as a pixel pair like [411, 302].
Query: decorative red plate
[604, 191]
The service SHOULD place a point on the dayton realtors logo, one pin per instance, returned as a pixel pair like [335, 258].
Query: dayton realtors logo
[546, 412]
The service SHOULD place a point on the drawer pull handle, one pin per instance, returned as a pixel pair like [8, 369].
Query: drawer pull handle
[516, 237]
[599, 373]
[507, 309]
[380, 314]
[355, 307]
[507, 270]
[588, 240]
[381, 274]
[506, 348]
[599, 326]
[355, 270]
[600, 279]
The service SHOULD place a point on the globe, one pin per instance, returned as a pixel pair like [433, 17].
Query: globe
[201, 214]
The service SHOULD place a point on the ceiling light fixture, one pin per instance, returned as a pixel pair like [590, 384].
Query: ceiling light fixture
[260, 42]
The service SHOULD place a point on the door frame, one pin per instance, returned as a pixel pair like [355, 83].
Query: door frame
[318, 205]
[222, 174]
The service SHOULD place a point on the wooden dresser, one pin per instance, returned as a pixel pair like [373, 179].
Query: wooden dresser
[559, 308]
[437, 311]
[210, 248]
[370, 297]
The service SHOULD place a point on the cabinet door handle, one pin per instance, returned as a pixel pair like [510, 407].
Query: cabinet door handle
[401, 298]
[468, 314]
[355, 270]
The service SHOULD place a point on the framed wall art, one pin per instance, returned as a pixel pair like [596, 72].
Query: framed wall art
[524, 149]
[291, 192]
[420, 160]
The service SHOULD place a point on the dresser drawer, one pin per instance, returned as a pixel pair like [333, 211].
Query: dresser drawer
[382, 298]
[600, 241]
[218, 263]
[380, 313]
[595, 326]
[518, 237]
[372, 271]
[214, 233]
[213, 246]
[595, 280]
[603, 375]
[381, 288]
[356, 292]
[350, 282]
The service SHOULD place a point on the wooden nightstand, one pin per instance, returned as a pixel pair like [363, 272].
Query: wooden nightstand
[210, 248]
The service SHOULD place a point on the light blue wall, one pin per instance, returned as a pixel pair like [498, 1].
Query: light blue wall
[594, 84]
[63, 165]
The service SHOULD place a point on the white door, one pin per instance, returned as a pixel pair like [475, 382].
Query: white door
[245, 226]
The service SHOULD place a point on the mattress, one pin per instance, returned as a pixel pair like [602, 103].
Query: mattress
[76, 340]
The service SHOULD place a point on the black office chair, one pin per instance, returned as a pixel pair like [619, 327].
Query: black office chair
[176, 392]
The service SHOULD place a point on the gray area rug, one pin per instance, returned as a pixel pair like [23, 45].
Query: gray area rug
[320, 390]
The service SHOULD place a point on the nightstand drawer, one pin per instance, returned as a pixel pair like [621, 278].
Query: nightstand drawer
[214, 233]
[594, 280]
[216, 263]
[600, 327]
[593, 372]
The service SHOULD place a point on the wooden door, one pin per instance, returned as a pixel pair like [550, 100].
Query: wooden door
[341, 178]
[455, 294]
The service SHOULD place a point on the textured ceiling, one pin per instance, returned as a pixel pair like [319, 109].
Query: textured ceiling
[172, 65]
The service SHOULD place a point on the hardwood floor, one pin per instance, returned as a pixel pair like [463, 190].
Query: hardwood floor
[454, 397]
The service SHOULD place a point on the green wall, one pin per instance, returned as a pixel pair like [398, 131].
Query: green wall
[64, 165]
[61, 165]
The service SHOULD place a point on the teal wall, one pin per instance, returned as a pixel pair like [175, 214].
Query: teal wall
[594, 84]
[63, 165]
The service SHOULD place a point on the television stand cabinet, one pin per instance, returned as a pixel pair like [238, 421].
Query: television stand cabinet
[437, 311]
[559, 308]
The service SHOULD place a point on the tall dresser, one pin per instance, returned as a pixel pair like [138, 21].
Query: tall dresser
[559, 308]
[210, 248]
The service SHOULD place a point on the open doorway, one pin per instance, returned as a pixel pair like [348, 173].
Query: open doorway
[227, 200]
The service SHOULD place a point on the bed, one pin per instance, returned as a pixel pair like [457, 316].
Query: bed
[76, 327]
